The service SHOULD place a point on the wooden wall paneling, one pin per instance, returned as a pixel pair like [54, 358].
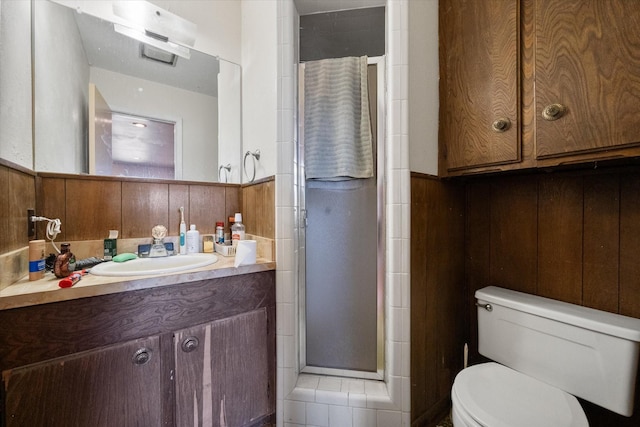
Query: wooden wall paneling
[206, 206]
[249, 208]
[477, 253]
[93, 207]
[22, 196]
[587, 239]
[514, 229]
[258, 208]
[447, 259]
[5, 208]
[432, 284]
[560, 228]
[422, 366]
[266, 216]
[233, 199]
[630, 245]
[144, 205]
[51, 197]
[178, 196]
[601, 244]
[437, 309]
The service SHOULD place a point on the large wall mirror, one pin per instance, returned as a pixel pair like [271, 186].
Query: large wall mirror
[107, 104]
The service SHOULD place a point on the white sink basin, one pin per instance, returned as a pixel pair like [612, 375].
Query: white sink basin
[146, 266]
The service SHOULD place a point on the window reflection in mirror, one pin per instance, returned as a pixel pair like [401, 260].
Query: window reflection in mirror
[133, 146]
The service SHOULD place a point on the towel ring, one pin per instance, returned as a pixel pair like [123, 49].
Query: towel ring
[256, 156]
[227, 169]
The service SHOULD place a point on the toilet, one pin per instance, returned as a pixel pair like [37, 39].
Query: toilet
[544, 354]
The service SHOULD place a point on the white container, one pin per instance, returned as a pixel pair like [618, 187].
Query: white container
[193, 240]
[237, 230]
[225, 250]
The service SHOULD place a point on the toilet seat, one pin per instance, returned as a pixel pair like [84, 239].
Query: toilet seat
[492, 395]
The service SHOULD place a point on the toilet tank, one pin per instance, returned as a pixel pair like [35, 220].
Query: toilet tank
[589, 353]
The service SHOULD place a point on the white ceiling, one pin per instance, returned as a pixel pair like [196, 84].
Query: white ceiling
[112, 51]
[308, 7]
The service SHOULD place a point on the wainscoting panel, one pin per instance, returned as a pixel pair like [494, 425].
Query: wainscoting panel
[573, 236]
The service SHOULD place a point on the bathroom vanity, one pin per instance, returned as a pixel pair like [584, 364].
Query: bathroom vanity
[174, 350]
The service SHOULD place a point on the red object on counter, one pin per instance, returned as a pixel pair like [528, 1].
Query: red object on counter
[72, 279]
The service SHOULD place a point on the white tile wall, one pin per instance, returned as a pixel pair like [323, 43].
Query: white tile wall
[311, 400]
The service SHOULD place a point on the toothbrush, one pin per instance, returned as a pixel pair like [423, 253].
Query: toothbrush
[183, 231]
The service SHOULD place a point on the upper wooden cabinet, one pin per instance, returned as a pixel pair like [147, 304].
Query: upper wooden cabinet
[478, 83]
[587, 59]
[532, 83]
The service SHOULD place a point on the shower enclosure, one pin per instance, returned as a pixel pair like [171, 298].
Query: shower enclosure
[341, 257]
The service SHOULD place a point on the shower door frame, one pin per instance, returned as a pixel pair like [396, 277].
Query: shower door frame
[300, 205]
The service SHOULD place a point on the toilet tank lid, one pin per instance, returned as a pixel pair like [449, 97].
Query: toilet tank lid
[588, 318]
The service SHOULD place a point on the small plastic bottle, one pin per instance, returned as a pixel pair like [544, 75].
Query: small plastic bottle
[237, 230]
[220, 233]
[193, 240]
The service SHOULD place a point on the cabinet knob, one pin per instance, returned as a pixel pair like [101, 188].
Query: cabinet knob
[141, 356]
[553, 112]
[190, 344]
[501, 125]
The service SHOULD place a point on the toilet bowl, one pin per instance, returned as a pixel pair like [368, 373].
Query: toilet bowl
[492, 395]
[544, 354]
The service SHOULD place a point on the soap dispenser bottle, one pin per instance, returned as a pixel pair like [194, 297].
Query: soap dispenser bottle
[237, 230]
[193, 240]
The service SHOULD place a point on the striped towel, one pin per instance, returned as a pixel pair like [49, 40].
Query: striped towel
[337, 126]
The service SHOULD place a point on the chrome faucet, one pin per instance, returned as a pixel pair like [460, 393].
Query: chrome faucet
[159, 232]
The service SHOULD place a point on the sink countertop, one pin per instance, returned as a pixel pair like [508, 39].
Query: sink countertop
[26, 293]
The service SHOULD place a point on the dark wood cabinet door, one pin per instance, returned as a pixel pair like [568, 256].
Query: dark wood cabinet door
[479, 80]
[222, 372]
[113, 386]
[587, 58]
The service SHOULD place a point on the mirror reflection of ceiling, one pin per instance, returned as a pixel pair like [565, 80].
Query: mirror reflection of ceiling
[308, 7]
[143, 141]
[115, 52]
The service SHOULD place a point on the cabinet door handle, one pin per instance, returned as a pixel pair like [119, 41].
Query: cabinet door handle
[553, 112]
[501, 125]
[190, 344]
[141, 356]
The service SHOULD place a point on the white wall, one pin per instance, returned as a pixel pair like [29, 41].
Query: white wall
[197, 113]
[230, 116]
[61, 92]
[259, 83]
[423, 84]
[15, 82]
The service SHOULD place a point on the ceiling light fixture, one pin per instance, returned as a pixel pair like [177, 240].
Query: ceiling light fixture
[155, 27]
[139, 125]
[166, 46]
